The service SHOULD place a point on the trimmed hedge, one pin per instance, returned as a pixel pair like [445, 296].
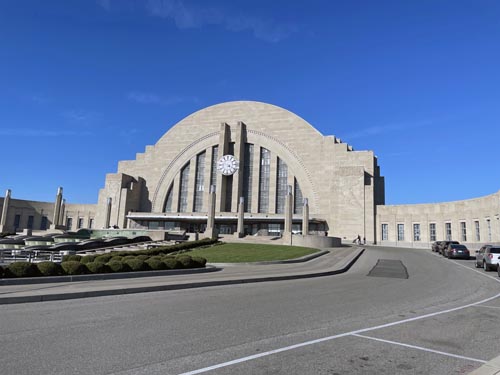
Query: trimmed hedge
[155, 264]
[137, 264]
[186, 261]
[199, 261]
[97, 267]
[118, 266]
[104, 258]
[172, 263]
[22, 269]
[123, 261]
[88, 259]
[72, 267]
[49, 268]
[72, 258]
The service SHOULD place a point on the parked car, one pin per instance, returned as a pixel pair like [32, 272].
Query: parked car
[436, 245]
[457, 251]
[444, 245]
[488, 257]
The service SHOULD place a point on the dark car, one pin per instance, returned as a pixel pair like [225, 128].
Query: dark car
[444, 245]
[436, 245]
[457, 251]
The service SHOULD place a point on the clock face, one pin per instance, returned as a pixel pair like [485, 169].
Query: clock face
[227, 165]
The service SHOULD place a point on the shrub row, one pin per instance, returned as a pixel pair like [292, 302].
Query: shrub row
[101, 264]
[163, 250]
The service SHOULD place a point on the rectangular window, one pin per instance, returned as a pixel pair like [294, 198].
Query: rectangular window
[264, 177]
[385, 232]
[183, 189]
[298, 204]
[199, 183]
[69, 222]
[432, 232]
[281, 186]
[30, 222]
[274, 229]
[478, 233]
[168, 202]
[416, 232]
[401, 232]
[91, 223]
[248, 176]
[43, 224]
[215, 159]
[447, 227]
[488, 225]
[463, 231]
[17, 221]
[79, 223]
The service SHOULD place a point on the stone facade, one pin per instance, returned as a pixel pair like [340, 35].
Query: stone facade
[282, 161]
[342, 186]
[24, 214]
[472, 222]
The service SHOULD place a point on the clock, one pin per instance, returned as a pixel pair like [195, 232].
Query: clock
[227, 165]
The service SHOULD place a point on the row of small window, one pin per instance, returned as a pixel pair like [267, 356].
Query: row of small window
[432, 231]
[44, 222]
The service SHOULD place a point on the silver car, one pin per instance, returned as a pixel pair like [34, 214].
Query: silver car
[488, 257]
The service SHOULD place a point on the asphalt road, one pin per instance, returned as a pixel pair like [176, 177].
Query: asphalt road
[443, 319]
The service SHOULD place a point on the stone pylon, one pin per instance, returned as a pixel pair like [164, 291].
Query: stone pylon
[109, 204]
[57, 209]
[61, 214]
[241, 217]
[211, 231]
[288, 211]
[305, 218]
[5, 211]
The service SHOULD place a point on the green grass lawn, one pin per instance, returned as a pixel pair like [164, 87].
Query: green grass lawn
[240, 253]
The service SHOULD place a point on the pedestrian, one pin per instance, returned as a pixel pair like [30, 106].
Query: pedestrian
[359, 240]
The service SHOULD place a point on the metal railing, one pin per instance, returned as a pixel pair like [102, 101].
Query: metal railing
[33, 256]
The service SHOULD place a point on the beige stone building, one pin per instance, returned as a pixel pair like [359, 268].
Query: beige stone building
[258, 157]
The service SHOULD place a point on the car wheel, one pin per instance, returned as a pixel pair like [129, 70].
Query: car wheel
[486, 266]
[478, 265]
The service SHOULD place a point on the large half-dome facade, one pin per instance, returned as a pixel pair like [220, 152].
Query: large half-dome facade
[248, 152]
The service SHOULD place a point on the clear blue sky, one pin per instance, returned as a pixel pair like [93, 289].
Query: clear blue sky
[86, 83]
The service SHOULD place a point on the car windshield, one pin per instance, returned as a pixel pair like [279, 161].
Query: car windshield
[495, 250]
[461, 247]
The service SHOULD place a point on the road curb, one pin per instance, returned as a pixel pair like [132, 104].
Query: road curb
[490, 368]
[345, 266]
[305, 258]
[105, 276]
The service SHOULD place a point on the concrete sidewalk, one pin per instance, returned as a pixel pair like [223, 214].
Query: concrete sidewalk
[337, 260]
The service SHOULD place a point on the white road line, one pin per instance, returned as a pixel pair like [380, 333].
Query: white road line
[490, 307]
[420, 348]
[497, 279]
[329, 338]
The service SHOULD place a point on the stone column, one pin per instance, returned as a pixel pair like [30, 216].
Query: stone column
[211, 232]
[61, 215]
[108, 212]
[57, 209]
[288, 210]
[305, 218]
[241, 215]
[5, 210]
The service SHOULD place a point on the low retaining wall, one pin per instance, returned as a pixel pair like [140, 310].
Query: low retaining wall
[311, 241]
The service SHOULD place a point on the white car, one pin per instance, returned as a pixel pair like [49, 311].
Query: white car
[488, 257]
